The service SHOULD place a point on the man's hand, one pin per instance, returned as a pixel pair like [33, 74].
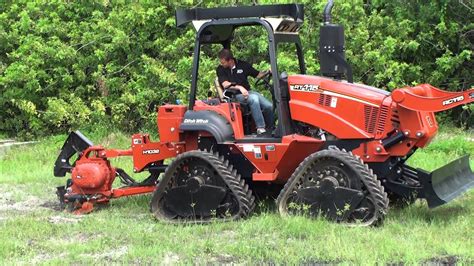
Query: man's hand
[226, 84]
[244, 91]
[263, 73]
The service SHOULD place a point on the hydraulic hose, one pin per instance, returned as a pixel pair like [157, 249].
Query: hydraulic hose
[327, 18]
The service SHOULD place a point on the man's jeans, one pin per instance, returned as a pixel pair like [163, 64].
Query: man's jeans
[260, 108]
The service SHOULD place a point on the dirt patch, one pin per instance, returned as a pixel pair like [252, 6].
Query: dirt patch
[74, 238]
[109, 255]
[64, 220]
[13, 203]
[323, 262]
[53, 205]
[9, 202]
[170, 258]
[43, 258]
[447, 260]
[223, 259]
[31, 203]
[227, 234]
[5, 198]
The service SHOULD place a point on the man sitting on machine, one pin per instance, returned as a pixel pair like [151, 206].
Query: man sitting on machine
[232, 75]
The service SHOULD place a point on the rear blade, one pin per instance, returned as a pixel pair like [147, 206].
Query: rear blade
[446, 183]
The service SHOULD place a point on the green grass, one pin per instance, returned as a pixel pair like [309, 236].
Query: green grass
[126, 232]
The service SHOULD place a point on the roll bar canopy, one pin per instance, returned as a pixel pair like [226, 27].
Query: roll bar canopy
[294, 11]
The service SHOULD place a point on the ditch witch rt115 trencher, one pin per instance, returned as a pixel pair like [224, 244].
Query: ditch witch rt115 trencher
[339, 148]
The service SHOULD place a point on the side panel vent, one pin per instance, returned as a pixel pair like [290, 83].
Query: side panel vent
[325, 100]
[370, 115]
[382, 119]
[395, 119]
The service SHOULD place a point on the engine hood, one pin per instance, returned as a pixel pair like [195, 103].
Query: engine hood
[357, 92]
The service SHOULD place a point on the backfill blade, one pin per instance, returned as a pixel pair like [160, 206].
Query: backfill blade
[448, 182]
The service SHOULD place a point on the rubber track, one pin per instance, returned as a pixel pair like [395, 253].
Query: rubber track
[368, 178]
[229, 175]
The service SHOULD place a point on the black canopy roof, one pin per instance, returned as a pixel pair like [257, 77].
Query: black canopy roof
[295, 11]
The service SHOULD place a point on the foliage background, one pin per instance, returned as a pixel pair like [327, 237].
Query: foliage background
[71, 64]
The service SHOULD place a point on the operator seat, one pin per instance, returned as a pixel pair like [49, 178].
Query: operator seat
[227, 96]
[219, 90]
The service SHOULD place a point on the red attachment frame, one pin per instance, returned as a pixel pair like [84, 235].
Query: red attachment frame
[129, 191]
[428, 98]
[93, 176]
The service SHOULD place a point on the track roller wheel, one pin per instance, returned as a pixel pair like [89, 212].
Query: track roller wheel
[336, 185]
[199, 186]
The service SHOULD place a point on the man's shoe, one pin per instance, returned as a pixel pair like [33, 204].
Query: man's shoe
[261, 131]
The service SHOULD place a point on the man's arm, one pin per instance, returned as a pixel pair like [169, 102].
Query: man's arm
[255, 73]
[223, 80]
[226, 84]
[262, 73]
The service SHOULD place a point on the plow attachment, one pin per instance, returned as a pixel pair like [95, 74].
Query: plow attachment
[446, 183]
[75, 143]
[93, 176]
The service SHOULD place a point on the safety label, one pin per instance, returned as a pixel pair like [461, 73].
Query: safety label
[248, 147]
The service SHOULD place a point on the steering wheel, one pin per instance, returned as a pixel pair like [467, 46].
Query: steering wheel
[265, 80]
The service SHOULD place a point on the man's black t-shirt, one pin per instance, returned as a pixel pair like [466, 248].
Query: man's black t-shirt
[238, 74]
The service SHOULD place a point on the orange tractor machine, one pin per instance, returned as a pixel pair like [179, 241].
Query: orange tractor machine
[339, 148]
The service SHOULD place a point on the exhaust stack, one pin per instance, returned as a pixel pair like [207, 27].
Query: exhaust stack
[332, 57]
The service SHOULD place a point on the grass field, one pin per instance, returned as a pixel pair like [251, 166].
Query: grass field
[32, 231]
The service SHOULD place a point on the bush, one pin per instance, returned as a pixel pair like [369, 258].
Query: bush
[68, 64]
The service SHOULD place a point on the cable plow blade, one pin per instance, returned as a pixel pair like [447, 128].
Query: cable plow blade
[75, 143]
[447, 182]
